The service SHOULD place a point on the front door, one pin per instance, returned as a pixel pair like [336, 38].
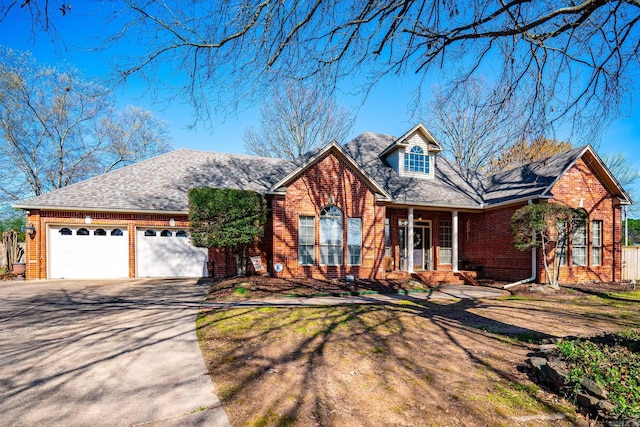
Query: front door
[422, 247]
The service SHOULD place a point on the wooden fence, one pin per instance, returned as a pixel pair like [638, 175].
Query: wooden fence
[631, 263]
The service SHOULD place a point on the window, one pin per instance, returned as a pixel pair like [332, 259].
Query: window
[596, 243]
[416, 161]
[561, 244]
[387, 238]
[116, 232]
[150, 233]
[181, 233]
[65, 231]
[306, 240]
[166, 233]
[354, 240]
[446, 240]
[331, 236]
[579, 244]
[100, 232]
[82, 232]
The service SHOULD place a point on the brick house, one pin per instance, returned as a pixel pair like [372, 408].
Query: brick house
[377, 207]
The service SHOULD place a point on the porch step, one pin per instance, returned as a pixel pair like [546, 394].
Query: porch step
[435, 278]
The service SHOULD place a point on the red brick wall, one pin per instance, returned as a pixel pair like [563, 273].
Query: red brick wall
[485, 241]
[329, 179]
[579, 187]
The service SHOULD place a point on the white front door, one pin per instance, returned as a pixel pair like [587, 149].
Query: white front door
[168, 252]
[88, 252]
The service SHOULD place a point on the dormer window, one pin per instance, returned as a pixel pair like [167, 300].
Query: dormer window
[416, 161]
[413, 154]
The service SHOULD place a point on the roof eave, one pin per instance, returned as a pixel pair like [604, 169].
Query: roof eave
[99, 209]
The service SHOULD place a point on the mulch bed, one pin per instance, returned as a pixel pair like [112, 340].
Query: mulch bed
[264, 286]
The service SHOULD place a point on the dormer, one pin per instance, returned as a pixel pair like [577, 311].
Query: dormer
[413, 154]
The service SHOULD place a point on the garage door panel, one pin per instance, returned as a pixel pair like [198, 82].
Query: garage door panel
[168, 253]
[79, 255]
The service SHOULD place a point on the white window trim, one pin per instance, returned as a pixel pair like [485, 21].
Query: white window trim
[402, 172]
[349, 220]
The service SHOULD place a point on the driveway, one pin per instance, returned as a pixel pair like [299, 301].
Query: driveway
[104, 353]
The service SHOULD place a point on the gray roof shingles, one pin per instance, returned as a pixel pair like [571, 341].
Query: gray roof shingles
[161, 183]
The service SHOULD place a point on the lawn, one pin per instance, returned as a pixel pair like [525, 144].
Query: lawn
[448, 363]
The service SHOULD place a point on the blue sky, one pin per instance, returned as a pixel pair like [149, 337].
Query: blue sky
[385, 110]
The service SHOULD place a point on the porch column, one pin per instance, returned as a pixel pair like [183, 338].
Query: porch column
[410, 241]
[454, 240]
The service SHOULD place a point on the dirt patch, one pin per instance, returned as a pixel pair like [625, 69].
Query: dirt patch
[413, 363]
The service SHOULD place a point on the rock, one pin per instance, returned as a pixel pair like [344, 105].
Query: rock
[586, 400]
[594, 388]
[557, 374]
[546, 349]
[539, 365]
[606, 406]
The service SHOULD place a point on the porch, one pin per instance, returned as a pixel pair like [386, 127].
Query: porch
[423, 242]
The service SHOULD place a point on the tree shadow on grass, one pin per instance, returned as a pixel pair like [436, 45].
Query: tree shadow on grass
[330, 364]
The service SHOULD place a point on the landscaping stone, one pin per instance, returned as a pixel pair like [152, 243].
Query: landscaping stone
[546, 349]
[586, 400]
[539, 365]
[557, 374]
[606, 406]
[594, 388]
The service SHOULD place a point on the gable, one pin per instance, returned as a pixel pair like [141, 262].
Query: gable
[332, 149]
[330, 181]
[581, 186]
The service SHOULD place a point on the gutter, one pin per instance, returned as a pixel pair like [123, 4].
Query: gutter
[534, 259]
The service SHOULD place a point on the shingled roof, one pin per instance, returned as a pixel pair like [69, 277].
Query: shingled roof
[162, 183]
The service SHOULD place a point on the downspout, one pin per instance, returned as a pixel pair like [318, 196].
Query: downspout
[534, 267]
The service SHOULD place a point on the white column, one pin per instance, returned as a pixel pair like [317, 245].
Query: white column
[410, 241]
[454, 240]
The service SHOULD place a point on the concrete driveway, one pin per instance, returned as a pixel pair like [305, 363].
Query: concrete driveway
[104, 353]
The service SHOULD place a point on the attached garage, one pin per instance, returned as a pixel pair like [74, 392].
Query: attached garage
[168, 253]
[84, 252]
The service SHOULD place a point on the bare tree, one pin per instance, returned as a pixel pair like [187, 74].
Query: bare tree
[473, 124]
[570, 61]
[296, 120]
[57, 129]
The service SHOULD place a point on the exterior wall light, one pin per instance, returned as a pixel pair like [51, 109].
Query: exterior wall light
[30, 230]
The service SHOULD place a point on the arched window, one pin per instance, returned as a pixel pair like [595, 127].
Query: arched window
[181, 233]
[416, 161]
[331, 236]
[100, 232]
[150, 233]
[65, 231]
[116, 232]
[166, 233]
[82, 232]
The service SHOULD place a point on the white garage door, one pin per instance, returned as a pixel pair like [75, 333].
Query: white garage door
[85, 252]
[168, 253]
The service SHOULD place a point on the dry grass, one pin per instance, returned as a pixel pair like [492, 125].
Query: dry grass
[456, 363]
